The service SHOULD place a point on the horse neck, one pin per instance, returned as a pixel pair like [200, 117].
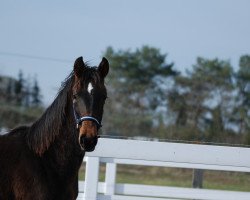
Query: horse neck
[55, 125]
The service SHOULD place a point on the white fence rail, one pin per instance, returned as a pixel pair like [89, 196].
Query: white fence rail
[164, 154]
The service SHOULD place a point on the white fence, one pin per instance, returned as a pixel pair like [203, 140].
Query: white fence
[165, 154]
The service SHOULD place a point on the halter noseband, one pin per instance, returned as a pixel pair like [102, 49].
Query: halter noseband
[79, 119]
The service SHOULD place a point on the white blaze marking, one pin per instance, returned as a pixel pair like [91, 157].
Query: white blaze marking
[90, 87]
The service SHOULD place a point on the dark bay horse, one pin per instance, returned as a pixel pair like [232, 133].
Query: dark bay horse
[41, 161]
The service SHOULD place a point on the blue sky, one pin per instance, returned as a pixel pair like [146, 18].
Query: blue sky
[184, 29]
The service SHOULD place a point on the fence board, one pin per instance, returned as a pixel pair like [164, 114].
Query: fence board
[174, 164]
[164, 154]
[192, 155]
[151, 192]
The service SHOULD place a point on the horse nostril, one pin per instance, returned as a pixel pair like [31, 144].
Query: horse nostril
[82, 138]
[88, 143]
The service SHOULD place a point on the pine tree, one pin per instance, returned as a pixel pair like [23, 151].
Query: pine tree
[27, 93]
[35, 94]
[19, 85]
[9, 91]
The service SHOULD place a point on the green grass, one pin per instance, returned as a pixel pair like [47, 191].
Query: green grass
[177, 177]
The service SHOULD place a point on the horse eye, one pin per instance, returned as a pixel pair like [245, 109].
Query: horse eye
[74, 96]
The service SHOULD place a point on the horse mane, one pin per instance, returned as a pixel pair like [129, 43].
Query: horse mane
[44, 131]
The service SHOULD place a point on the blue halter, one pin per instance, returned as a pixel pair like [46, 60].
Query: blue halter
[79, 119]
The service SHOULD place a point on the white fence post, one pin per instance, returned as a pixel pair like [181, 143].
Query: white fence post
[110, 179]
[91, 178]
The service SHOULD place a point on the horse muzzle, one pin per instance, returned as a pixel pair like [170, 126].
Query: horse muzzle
[88, 136]
[88, 143]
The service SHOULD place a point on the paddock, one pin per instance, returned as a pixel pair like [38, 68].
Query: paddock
[164, 154]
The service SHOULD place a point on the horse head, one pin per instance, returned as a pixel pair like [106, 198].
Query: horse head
[88, 97]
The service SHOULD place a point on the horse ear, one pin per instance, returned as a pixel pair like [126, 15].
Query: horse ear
[79, 67]
[103, 67]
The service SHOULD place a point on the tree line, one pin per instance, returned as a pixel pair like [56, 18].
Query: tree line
[22, 91]
[149, 97]
[20, 99]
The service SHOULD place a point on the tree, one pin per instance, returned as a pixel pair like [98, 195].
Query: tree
[201, 99]
[35, 94]
[27, 93]
[19, 86]
[9, 90]
[241, 112]
[136, 79]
